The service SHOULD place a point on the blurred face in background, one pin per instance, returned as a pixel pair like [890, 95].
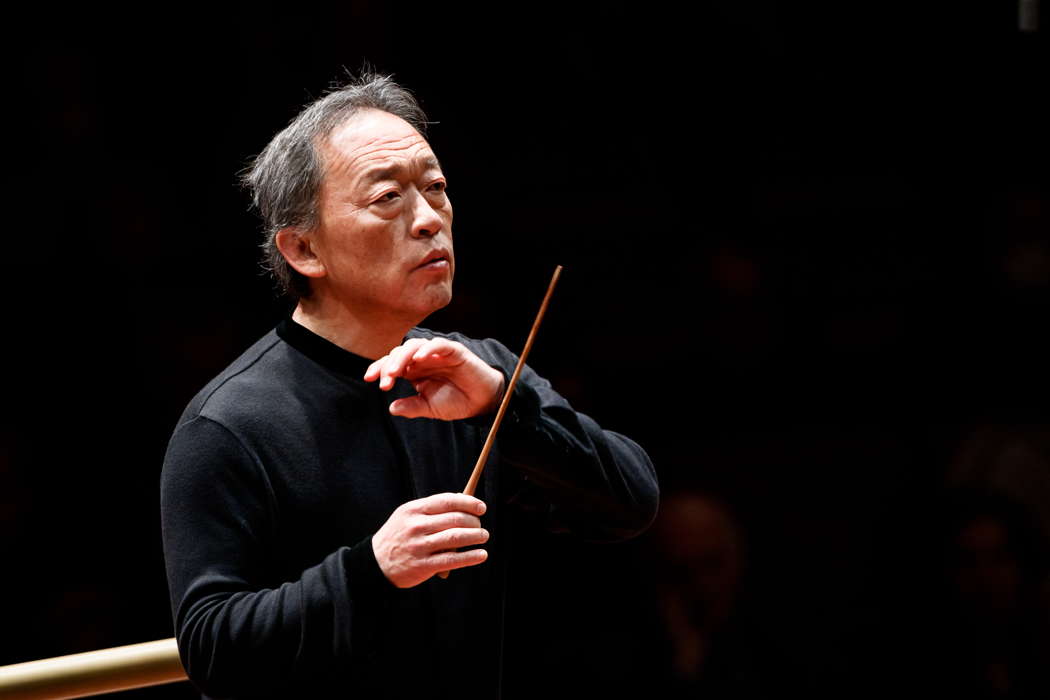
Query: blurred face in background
[985, 571]
[701, 557]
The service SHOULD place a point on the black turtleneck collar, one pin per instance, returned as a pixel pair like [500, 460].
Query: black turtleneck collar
[322, 350]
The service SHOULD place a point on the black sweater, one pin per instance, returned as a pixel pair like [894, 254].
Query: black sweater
[282, 468]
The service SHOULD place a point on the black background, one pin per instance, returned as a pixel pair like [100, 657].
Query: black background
[807, 251]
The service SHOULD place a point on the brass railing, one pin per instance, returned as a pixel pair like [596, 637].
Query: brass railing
[93, 672]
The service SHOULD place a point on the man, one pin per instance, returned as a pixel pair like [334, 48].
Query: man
[308, 493]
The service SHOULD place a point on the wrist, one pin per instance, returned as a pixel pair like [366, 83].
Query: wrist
[366, 573]
[499, 381]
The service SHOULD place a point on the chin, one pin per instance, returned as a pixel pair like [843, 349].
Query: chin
[437, 299]
[442, 301]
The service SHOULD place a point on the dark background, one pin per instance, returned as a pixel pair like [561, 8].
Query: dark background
[807, 251]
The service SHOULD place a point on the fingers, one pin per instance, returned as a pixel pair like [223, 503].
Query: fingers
[414, 355]
[455, 538]
[429, 524]
[437, 351]
[446, 561]
[392, 365]
[450, 502]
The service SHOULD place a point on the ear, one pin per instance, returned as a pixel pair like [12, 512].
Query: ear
[296, 246]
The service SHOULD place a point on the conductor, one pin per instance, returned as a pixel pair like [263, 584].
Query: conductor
[308, 494]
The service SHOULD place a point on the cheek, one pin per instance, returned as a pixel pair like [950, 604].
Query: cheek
[361, 251]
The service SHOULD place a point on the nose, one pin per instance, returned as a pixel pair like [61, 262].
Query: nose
[426, 221]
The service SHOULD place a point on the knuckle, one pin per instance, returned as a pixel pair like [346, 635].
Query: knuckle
[414, 525]
[423, 524]
[428, 543]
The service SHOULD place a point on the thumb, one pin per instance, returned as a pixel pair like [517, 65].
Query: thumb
[411, 407]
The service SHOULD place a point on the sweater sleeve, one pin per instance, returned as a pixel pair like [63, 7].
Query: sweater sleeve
[594, 482]
[235, 627]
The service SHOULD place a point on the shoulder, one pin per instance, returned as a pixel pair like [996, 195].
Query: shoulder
[258, 378]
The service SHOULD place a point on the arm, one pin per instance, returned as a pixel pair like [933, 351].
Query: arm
[241, 630]
[596, 482]
[238, 631]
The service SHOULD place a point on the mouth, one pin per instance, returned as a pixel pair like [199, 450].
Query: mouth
[436, 260]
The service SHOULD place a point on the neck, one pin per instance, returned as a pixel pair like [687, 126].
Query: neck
[370, 336]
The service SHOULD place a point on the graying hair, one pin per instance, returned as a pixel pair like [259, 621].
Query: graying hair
[285, 179]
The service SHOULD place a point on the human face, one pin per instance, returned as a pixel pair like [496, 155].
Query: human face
[385, 232]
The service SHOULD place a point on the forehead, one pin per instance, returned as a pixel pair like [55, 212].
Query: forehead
[373, 138]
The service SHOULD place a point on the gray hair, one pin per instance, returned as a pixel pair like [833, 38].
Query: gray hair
[285, 179]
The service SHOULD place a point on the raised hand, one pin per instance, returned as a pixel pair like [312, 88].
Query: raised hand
[451, 382]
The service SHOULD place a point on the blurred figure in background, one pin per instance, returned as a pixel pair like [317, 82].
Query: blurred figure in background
[702, 556]
[991, 602]
[714, 645]
[993, 536]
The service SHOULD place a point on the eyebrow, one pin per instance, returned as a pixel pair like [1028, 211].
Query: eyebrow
[391, 172]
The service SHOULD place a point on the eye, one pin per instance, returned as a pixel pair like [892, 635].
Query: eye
[438, 186]
[387, 197]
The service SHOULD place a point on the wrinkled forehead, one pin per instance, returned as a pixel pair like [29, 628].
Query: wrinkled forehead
[372, 137]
